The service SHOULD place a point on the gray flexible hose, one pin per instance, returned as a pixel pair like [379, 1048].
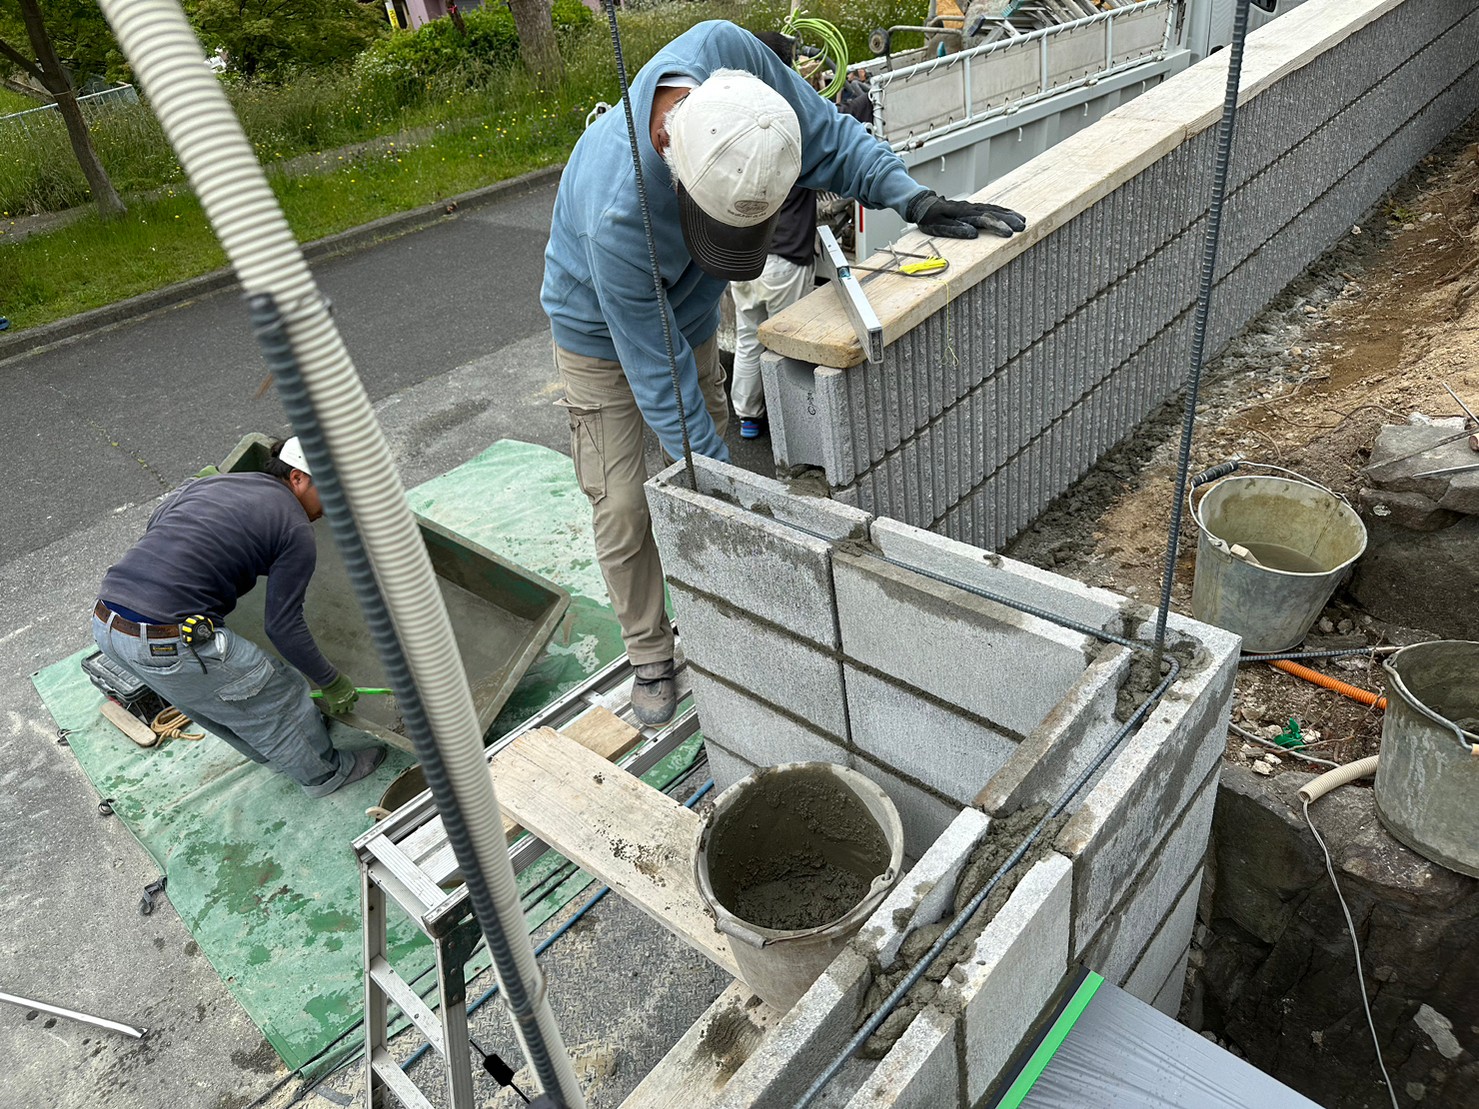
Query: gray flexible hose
[233, 190]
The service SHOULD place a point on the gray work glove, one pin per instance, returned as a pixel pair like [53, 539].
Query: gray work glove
[959, 219]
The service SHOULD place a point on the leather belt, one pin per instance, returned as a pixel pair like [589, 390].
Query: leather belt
[128, 627]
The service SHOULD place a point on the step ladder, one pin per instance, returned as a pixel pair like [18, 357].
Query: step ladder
[405, 860]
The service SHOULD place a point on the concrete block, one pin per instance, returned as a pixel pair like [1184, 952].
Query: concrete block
[804, 1041]
[725, 767]
[1164, 875]
[971, 567]
[926, 892]
[921, 1071]
[721, 549]
[1168, 1000]
[924, 815]
[774, 666]
[784, 502]
[1057, 750]
[755, 731]
[1144, 789]
[961, 649]
[940, 746]
[797, 427]
[1016, 966]
[1168, 948]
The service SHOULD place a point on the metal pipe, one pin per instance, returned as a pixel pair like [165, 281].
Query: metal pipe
[72, 1014]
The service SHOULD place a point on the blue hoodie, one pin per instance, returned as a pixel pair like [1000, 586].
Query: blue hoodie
[598, 288]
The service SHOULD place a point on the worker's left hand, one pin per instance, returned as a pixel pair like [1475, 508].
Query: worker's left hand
[959, 219]
[339, 696]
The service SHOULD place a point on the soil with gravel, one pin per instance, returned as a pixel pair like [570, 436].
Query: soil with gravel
[1367, 337]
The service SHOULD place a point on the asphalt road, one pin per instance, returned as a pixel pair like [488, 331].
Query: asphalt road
[445, 327]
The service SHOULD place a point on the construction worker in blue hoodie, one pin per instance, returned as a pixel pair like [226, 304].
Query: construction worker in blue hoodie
[724, 130]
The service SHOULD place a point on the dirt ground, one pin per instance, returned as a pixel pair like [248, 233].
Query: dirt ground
[1367, 337]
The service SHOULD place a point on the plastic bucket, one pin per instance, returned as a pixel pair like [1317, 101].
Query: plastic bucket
[790, 862]
[1299, 539]
[1427, 780]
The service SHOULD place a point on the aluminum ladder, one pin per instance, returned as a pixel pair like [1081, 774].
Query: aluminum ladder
[405, 860]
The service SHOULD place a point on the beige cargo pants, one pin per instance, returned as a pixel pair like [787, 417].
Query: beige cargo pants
[606, 444]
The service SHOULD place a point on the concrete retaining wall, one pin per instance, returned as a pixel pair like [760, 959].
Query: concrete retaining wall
[815, 631]
[1001, 386]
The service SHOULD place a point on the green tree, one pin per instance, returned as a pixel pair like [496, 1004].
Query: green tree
[47, 70]
[79, 34]
[263, 38]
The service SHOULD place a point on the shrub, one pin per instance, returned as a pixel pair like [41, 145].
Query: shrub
[408, 63]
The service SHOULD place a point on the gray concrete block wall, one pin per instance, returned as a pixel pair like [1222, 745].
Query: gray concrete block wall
[987, 410]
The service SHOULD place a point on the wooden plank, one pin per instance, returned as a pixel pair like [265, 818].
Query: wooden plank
[634, 838]
[129, 724]
[699, 1066]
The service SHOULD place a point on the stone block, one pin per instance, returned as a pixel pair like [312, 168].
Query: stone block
[924, 815]
[1167, 951]
[1057, 750]
[1168, 1001]
[1164, 875]
[804, 1041]
[941, 747]
[961, 649]
[1014, 970]
[926, 892]
[921, 1071]
[798, 431]
[721, 640]
[972, 568]
[1147, 785]
[754, 730]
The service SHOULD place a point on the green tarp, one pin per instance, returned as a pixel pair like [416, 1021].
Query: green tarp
[244, 850]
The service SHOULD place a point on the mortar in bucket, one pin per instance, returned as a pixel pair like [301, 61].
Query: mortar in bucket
[791, 861]
[1427, 779]
[1270, 552]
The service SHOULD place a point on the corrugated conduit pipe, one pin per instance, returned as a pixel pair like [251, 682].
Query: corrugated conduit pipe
[223, 171]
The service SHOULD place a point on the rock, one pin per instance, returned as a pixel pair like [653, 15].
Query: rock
[1248, 751]
[1272, 759]
[1326, 625]
[1401, 455]
[1414, 511]
[1412, 578]
[1262, 768]
[1463, 491]
[1345, 627]
[1440, 1030]
[1416, 1091]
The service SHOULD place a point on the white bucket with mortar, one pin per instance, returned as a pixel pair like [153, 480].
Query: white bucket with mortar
[791, 861]
[1270, 552]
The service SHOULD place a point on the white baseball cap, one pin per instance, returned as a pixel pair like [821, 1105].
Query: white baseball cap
[292, 454]
[736, 152]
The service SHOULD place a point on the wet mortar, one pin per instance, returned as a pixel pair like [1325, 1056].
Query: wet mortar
[797, 850]
[1002, 838]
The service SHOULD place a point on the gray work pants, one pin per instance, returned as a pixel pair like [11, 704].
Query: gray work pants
[254, 702]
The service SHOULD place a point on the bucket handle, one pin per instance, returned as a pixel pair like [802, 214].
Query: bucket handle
[1222, 470]
[1467, 740]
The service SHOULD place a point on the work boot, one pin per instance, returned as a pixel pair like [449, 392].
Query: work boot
[365, 761]
[655, 692]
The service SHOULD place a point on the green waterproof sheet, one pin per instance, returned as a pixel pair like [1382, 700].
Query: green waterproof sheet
[276, 914]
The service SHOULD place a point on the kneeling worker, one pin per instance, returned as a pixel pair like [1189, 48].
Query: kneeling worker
[161, 611]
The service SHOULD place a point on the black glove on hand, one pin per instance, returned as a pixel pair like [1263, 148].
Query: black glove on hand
[959, 219]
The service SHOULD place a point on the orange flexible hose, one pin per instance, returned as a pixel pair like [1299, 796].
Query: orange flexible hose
[1354, 692]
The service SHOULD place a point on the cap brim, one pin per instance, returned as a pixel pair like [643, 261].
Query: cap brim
[731, 253]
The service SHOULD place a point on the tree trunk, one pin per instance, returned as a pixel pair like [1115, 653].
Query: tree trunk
[537, 46]
[55, 80]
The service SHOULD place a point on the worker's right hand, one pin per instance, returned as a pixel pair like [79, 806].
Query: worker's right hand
[339, 696]
[959, 219]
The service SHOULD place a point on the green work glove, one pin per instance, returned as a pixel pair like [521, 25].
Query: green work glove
[208, 471]
[339, 696]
